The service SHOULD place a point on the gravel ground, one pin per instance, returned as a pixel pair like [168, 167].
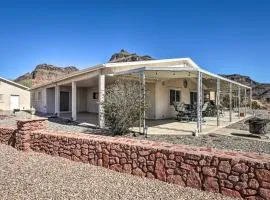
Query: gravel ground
[215, 141]
[39, 176]
[53, 123]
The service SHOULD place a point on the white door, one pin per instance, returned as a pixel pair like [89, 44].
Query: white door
[14, 102]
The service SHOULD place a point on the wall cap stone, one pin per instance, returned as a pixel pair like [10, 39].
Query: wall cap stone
[32, 119]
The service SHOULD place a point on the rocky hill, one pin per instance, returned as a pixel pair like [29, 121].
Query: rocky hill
[44, 73]
[124, 56]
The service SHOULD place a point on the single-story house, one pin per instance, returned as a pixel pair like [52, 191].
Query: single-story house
[13, 96]
[166, 80]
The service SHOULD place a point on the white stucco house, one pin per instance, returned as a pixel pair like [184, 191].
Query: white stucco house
[166, 80]
[13, 96]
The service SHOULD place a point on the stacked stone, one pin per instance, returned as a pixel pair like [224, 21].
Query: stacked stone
[7, 135]
[230, 175]
[24, 129]
[235, 174]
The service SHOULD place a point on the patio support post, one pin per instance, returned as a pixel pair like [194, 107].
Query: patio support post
[199, 103]
[230, 102]
[57, 100]
[250, 98]
[245, 100]
[140, 85]
[239, 100]
[143, 95]
[74, 101]
[101, 96]
[218, 102]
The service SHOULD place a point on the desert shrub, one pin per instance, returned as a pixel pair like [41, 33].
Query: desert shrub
[122, 106]
[255, 105]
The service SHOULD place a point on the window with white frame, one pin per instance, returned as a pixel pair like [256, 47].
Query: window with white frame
[175, 96]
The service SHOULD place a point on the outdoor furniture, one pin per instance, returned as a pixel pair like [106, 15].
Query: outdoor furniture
[184, 111]
[221, 110]
[178, 108]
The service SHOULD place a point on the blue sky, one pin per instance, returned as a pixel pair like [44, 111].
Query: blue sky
[221, 36]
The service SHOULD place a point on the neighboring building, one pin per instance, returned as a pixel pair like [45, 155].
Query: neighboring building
[166, 80]
[13, 96]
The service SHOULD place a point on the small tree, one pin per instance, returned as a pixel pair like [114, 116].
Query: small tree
[123, 106]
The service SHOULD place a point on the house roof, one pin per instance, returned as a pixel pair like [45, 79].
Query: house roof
[14, 83]
[177, 64]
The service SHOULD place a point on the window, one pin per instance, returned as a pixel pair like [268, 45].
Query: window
[95, 95]
[1, 97]
[174, 96]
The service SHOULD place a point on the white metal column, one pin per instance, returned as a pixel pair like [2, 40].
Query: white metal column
[250, 98]
[199, 103]
[57, 100]
[74, 100]
[143, 95]
[218, 102]
[239, 100]
[245, 100]
[140, 85]
[230, 102]
[101, 96]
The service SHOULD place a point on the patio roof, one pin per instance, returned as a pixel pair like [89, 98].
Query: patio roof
[171, 65]
[180, 69]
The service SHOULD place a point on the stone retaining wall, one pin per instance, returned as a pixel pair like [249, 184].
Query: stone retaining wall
[7, 135]
[235, 174]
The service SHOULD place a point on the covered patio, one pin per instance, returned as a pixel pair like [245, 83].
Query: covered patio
[162, 84]
[231, 99]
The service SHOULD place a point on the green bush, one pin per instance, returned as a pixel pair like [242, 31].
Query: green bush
[122, 106]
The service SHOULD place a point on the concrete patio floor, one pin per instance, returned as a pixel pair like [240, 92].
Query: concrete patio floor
[167, 126]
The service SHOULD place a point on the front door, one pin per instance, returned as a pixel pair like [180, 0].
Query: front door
[14, 102]
[64, 101]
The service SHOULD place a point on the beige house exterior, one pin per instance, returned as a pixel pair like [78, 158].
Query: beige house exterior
[166, 80]
[13, 96]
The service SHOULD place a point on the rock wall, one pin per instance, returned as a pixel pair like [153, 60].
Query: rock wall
[7, 135]
[235, 174]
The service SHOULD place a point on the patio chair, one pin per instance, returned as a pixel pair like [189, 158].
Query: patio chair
[205, 108]
[221, 110]
[187, 113]
[178, 108]
[194, 112]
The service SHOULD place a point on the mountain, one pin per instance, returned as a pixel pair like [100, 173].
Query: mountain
[260, 91]
[44, 73]
[124, 56]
